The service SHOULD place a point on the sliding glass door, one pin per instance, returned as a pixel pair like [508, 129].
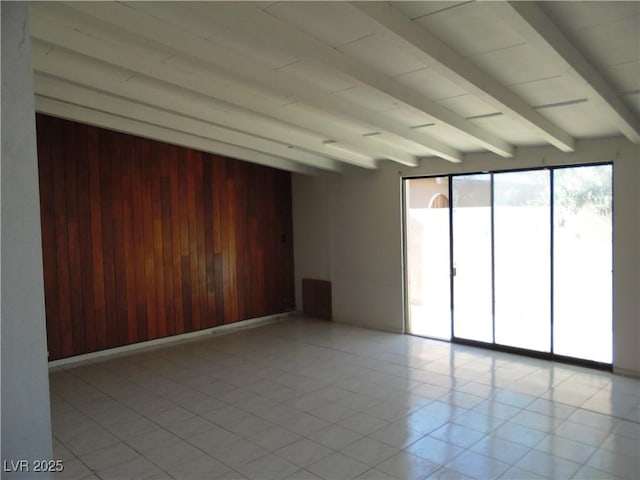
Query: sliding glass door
[517, 259]
[522, 259]
[472, 278]
[427, 246]
[582, 253]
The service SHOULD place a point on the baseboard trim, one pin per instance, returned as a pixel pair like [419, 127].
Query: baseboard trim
[626, 372]
[165, 341]
[378, 328]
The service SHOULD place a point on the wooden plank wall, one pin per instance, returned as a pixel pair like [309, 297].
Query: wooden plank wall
[143, 240]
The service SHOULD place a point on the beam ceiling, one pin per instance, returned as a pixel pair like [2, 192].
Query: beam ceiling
[288, 85]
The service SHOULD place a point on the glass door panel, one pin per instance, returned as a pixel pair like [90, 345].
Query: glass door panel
[522, 259]
[582, 202]
[472, 281]
[528, 265]
[428, 250]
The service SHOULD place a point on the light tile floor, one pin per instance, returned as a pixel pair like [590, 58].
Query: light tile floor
[306, 399]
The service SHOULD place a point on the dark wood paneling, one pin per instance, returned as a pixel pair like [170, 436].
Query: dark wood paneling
[142, 239]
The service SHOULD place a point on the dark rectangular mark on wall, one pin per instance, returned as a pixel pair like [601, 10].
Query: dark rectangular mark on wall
[316, 298]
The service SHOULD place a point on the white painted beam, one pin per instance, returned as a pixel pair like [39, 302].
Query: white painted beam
[57, 26]
[126, 108]
[260, 26]
[461, 71]
[142, 90]
[121, 19]
[52, 66]
[533, 24]
[154, 132]
[101, 78]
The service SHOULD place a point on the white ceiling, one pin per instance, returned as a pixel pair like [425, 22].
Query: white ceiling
[311, 86]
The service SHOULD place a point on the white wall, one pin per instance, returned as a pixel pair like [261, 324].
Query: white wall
[26, 425]
[347, 230]
[312, 231]
[626, 258]
[353, 236]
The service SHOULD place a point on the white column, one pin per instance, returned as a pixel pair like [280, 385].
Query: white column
[26, 420]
